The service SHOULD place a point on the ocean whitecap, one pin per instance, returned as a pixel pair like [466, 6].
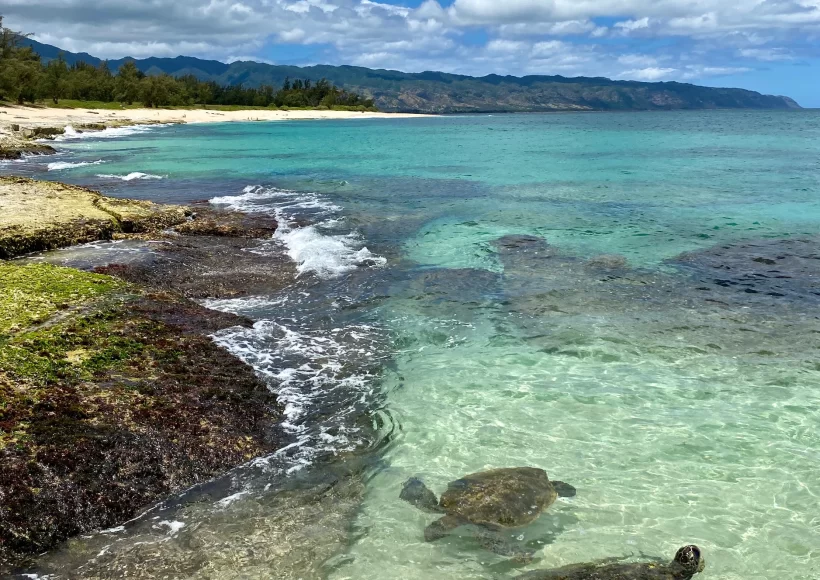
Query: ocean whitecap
[131, 176]
[61, 165]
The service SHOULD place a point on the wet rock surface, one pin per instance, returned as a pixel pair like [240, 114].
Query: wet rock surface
[294, 532]
[219, 254]
[201, 267]
[16, 145]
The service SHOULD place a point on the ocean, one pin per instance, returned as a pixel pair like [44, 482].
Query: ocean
[627, 300]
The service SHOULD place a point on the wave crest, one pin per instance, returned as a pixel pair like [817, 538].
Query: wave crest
[131, 176]
[61, 165]
[313, 249]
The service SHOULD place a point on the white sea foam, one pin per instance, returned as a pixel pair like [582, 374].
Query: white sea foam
[321, 378]
[60, 165]
[325, 255]
[72, 134]
[244, 306]
[257, 199]
[173, 526]
[130, 176]
[314, 250]
[226, 501]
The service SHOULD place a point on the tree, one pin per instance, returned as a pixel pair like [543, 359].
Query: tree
[160, 91]
[23, 77]
[127, 84]
[105, 83]
[54, 84]
[20, 75]
[19, 67]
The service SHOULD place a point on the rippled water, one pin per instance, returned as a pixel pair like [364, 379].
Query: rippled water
[454, 313]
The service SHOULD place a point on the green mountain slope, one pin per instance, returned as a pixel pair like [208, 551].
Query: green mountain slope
[435, 92]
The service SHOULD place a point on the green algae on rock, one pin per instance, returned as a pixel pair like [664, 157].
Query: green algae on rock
[31, 294]
[41, 215]
[111, 398]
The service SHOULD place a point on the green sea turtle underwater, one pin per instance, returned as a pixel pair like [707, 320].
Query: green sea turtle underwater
[687, 562]
[488, 504]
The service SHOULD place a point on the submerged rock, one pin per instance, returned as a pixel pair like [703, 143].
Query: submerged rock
[744, 300]
[774, 271]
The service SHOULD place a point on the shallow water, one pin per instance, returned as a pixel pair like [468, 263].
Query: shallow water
[680, 397]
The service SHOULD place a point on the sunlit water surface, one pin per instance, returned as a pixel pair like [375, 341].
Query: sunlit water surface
[418, 339]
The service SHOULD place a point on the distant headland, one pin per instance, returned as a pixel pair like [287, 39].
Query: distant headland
[436, 92]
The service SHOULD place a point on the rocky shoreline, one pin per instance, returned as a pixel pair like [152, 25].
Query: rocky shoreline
[114, 395]
[21, 140]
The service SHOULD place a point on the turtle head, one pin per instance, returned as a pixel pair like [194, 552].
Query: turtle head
[416, 493]
[690, 559]
[563, 489]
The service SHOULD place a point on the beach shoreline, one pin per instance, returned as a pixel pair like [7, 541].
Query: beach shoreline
[23, 128]
[30, 117]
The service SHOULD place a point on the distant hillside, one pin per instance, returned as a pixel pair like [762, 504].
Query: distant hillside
[435, 92]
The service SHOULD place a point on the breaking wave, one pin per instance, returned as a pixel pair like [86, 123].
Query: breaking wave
[60, 165]
[131, 176]
[313, 248]
[71, 134]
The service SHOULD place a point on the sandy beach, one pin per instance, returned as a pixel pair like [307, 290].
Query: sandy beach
[30, 117]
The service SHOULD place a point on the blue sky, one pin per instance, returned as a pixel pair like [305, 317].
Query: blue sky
[771, 46]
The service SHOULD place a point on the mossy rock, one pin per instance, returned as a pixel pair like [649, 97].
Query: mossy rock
[41, 215]
[33, 293]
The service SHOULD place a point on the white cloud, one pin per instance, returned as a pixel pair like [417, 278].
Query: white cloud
[766, 54]
[637, 60]
[632, 25]
[652, 73]
[707, 37]
[505, 46]
[565, 28]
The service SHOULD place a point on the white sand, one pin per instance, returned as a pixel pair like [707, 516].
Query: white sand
[28, 117]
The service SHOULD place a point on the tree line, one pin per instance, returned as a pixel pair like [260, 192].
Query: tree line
[25, 78]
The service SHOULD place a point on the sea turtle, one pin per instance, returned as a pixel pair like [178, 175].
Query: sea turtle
[687, 562]
[489, 502]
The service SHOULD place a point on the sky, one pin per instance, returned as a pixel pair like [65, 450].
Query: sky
[771, 46]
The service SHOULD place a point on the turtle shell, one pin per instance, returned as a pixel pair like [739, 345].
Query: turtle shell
[508, 498]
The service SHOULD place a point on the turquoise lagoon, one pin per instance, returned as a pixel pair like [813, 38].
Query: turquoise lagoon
[434, 333]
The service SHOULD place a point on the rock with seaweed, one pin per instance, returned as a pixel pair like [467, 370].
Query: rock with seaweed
[112, 394]
[112, 397]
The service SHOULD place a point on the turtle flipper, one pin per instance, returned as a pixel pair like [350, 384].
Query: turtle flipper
[416, 493]
[563, 489]
[499, 543]
[442, 527]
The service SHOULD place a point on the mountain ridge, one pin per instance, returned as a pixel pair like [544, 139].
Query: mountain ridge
[439, 92]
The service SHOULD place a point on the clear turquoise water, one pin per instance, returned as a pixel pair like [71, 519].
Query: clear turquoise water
[679, 420]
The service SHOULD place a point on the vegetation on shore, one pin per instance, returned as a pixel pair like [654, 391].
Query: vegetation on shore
[25, 78]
